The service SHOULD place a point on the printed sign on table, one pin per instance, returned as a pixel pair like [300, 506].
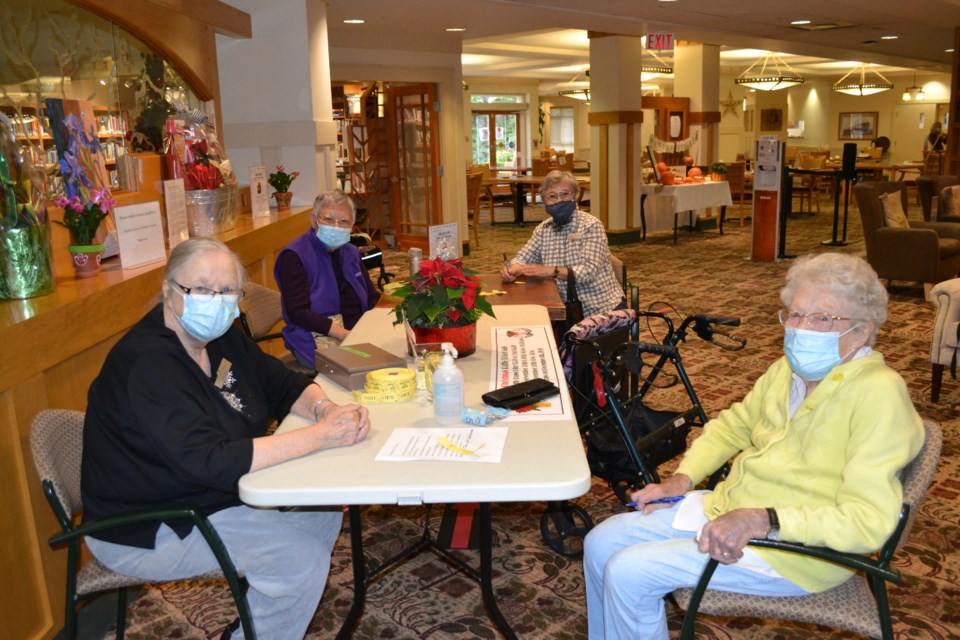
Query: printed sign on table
[259, 194]
[140, 234]
[522, 353]
[174, 198]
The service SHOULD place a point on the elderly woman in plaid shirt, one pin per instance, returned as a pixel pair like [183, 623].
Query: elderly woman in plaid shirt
[570, 240]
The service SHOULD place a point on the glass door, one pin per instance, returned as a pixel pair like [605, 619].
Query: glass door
[415, 183]
[495, 137]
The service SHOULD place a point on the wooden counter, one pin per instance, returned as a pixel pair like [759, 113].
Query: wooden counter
[53, 348]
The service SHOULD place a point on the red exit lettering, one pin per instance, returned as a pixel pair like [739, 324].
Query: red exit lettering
[660, 40]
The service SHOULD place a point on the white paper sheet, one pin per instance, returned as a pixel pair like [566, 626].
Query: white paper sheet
[451, 444]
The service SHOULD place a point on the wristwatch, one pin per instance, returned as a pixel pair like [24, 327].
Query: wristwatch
[556, 272]
[774, 532]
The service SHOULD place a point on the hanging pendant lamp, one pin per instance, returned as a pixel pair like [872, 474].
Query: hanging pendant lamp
[773, 74]
[865, 86]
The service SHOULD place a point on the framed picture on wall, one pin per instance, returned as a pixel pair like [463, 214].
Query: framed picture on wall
[771, 119]
[858, 125]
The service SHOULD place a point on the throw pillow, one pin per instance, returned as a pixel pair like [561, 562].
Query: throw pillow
[950, 201]
[893, 213]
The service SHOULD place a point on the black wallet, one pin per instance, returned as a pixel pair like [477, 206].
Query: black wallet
[521, 394]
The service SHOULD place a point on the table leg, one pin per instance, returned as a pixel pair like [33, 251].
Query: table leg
[359, 575]
[518, 204]
[723, 216]
[486, 573]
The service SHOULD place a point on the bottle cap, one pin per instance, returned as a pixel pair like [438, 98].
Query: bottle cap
[449, 353]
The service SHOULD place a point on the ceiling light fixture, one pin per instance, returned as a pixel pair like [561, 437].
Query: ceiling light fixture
[578, 94]
[914, 92]
[656, 70]
[800, 22]
[890, 37]
[778, 76]
[455, 29]
[353, 21]
[863, 87]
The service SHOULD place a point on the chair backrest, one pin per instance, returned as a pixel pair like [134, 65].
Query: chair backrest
[541, 166]
[812, 161]
[56, 442]
[736, 172]
[930, 185]
[474, 186]
[917, 476]
[261, 309]
[871, 212]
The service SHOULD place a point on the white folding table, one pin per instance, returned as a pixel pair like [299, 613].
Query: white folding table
[542, 461]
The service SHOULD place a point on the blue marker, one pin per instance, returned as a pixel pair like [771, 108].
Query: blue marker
[670, 500]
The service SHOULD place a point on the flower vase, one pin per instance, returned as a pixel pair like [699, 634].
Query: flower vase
[26, 264]
[283, 199]
[86, 259]
[463, 338]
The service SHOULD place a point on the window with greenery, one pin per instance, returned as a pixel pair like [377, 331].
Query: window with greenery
[561, 129]
[53, 49]
[495, 99]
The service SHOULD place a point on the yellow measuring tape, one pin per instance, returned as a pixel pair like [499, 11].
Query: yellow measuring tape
[393, 384]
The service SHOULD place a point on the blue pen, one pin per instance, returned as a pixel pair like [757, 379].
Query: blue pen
[670, 500]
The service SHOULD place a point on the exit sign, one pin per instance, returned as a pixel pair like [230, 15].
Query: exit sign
[660, 40]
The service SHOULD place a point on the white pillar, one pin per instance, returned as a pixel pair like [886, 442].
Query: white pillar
[275, 94]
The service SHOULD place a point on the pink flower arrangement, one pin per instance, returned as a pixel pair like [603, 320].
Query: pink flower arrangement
[82, 219]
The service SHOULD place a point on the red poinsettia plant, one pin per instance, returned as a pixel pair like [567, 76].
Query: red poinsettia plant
[443, 293]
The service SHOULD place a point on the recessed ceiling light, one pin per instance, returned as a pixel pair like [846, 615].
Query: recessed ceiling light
[798, 22]
[890, 37]
[949, 50]
[353, 21]
[455, 29]
[666, 0]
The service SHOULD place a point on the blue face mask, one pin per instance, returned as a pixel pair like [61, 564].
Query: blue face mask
[207, 319]
[812, 354]
[333, 237]
[561, 211]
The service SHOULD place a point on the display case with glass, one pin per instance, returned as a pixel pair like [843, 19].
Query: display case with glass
[53, 49]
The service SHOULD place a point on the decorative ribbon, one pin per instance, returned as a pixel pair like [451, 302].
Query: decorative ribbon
[666, 146]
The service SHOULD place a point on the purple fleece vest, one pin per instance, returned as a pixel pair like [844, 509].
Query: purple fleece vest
[324, 288]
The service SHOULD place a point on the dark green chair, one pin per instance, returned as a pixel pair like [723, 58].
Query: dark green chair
[860, 604]
[56, 441]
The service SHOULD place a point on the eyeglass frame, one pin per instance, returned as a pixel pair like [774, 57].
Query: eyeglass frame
[226, 295]
[558, 196]
[804, 318]
[331, 222]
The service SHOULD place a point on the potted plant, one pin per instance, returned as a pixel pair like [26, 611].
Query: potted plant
[441, 303]
[82, 220]
[88, 201]
[280, 180]
[718, 172]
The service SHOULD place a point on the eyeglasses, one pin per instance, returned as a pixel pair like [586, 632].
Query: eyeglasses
[556, 196]
[335, 222]
[205, 294]
[816, 320]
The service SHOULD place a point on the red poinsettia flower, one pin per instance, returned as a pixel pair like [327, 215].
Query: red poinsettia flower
[443, 293]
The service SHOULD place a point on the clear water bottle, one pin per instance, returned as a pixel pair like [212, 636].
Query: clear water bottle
[416, 255]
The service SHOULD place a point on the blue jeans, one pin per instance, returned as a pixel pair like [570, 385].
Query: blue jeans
[631, 561]
[285, 556]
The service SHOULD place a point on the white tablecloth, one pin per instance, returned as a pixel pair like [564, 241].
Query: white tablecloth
[664, 200]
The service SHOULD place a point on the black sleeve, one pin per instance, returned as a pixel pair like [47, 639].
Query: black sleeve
[281, 385]
[295, 291]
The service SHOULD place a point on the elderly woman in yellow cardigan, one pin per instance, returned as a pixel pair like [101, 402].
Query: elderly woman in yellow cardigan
[818, 446]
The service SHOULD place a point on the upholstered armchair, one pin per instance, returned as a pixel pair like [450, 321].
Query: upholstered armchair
[927, 252]
[943, 348]
[929, 187]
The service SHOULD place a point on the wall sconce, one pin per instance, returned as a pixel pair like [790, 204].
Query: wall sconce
[914, 92]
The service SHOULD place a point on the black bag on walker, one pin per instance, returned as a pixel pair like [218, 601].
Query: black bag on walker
[658, 436]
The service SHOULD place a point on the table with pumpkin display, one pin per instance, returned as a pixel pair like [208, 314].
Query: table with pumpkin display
[663, 204]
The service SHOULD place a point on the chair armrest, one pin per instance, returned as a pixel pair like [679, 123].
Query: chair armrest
[137, 517]
[942, 229]
[855, 561]
[945, 296]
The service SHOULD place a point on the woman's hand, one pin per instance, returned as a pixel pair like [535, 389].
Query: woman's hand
[676, 485]
[342, 426]
[338, 331]
[725, 537]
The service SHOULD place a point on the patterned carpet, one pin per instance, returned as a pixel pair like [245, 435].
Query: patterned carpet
[541, 592]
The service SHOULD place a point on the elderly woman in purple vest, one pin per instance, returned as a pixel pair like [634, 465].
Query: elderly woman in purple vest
[323, 283]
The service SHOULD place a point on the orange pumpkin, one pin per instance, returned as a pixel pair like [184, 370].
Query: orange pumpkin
[667, 177]
[695, 172]
[662, 166]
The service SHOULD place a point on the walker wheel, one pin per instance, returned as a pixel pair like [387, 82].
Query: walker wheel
[563, 527]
